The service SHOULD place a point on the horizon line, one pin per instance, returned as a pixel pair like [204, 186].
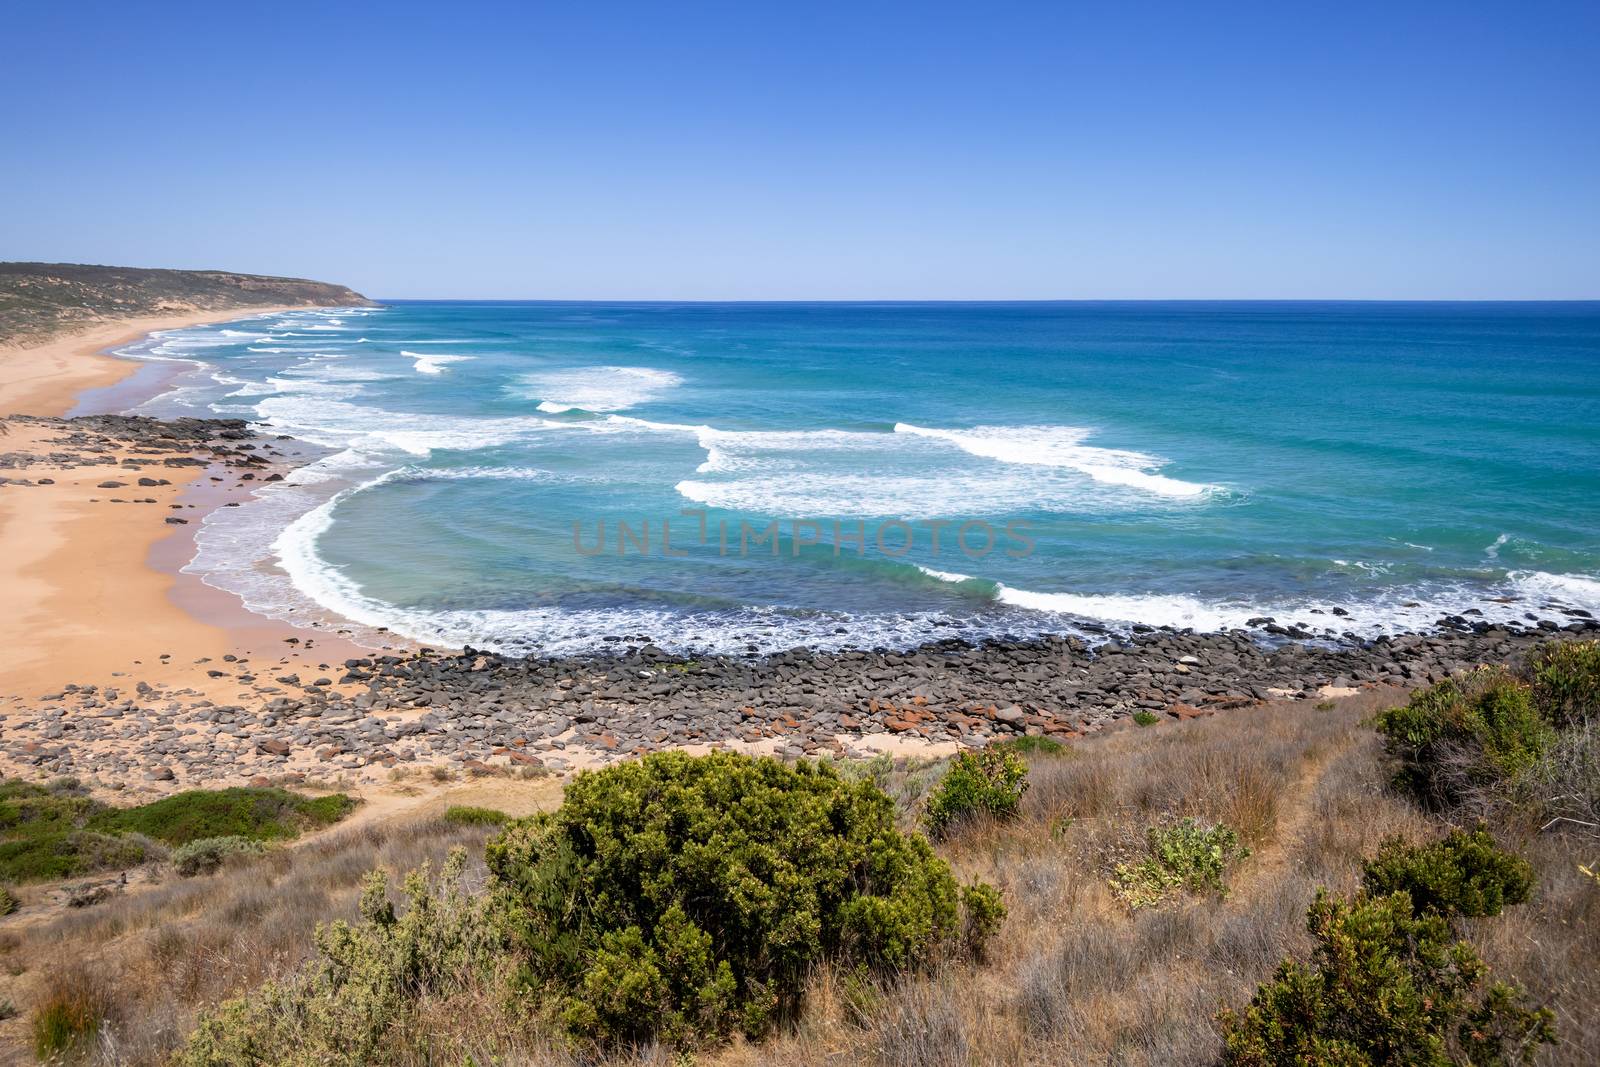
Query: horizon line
[985, 300]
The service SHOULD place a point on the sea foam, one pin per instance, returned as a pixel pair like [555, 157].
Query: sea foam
[594, 388]
[1062, 446]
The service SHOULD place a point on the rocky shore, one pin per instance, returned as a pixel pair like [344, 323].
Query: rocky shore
[133, 443]
[478, 711]
[474, 710]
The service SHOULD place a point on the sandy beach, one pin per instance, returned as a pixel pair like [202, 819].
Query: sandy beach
[47, 378]
[92, 593]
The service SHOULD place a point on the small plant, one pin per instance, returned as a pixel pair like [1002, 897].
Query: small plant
[1565, 676]
[1185, 856]
[208, 854]
[1464, 735]
[1384, 984]
[1464, 874]
[69, 1014]
[1033, 746]
[989, 782]
[1326, 705]
[463, 815]
[1146, 717]
[8, 901]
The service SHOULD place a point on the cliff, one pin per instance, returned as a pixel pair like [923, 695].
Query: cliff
[41, 299]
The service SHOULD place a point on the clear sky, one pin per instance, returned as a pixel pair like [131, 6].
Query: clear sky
[816, 150]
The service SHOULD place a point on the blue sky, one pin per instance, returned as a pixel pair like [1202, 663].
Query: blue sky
[816, 151]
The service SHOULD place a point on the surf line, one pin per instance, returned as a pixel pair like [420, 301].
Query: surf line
[894, 538]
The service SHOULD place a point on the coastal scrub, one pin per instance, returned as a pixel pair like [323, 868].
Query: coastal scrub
[684, 898]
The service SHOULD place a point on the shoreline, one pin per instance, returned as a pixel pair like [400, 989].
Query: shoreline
[51, 376]
[95, 588]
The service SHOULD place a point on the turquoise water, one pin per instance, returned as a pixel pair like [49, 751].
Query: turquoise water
[1186, 464]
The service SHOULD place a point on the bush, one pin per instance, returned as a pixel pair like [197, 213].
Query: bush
[367, 981]
[463, 815]
[47, 856]
[681, 898]
[259, 814]
[207, 854]
[57, 831]
[1384, 985]
[1465, 874]
[989, 782]
[1464, 738]
[1144, 717]
[1186, 857]
[1565, 676]
[8, 901]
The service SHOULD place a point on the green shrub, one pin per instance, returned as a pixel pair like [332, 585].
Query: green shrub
[1144, 717]
[8, 901]
[52, 854]
[1185, 856]
[1465, 737]
[1464, 874]
[463, 815]
[356, 999]
[988, 782]
[208, 853]
[1565, 676]
[57, 831]
[1385, 985]
[264, 814]
[681, 898]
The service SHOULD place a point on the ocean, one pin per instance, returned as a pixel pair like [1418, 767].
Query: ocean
[556, 477]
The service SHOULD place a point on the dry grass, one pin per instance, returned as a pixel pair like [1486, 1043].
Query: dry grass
[1077, 979]
[186, 943]
[1074, 977]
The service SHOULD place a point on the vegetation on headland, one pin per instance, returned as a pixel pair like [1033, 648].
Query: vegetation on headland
[40, 299]
[1363, 926]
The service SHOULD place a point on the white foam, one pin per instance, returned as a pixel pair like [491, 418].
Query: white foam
[1062, 446]
[336, 423]
[944, 576]
[594, 388]
[426, 364]
[450, 474]
[908, 496]
[1571, 590]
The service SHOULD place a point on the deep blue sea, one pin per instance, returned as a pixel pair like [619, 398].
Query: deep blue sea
[544, 476]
